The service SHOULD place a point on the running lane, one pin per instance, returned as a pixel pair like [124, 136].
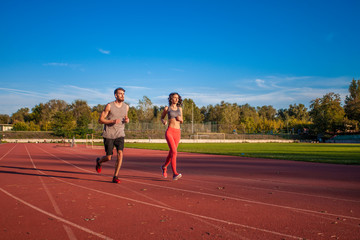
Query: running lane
[49, 186]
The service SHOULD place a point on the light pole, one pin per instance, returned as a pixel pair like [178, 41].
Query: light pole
[192, 117]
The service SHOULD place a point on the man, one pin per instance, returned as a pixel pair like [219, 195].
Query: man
[114, 118]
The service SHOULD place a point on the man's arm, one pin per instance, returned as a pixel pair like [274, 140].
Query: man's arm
[126, 119]
[104, 114]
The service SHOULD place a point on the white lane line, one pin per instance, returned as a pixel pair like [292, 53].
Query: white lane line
[8, 152]
[172, 209]
[274, 190]
[226, 197]
[179, 211]
[253, 180]
[55, 206]
[68, 230]
[82, 169]
[245, 200]
[54, 216]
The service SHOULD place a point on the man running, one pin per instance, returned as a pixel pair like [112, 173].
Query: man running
[114, 118]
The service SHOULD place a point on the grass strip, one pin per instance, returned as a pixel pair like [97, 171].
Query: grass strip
[321, 153]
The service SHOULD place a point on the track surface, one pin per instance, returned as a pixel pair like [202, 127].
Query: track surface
[50, 191]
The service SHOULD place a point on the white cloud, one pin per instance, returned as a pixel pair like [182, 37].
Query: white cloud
[279, 92]
[83, 90]
[260, 83]
[104, 51]
[24, 92]
[11, 103]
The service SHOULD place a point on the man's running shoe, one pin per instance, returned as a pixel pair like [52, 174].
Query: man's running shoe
[176, 177]
[98, 165]
[164, 171]
[116, 180]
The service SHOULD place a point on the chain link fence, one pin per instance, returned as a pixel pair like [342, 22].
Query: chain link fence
[199, 130]
[151, 131]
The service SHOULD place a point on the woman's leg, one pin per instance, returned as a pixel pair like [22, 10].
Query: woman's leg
[171, 143]
[177, 136]
[173, 139]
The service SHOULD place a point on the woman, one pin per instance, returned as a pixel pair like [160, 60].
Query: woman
[173, 132]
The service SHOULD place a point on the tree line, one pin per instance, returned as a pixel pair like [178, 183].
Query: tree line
[326, 115]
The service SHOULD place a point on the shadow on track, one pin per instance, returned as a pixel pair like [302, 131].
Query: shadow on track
[143, 178]
[47, 175]
[49, 170]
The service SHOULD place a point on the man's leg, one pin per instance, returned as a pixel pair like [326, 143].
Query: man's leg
[105, 158]
[119, 162]
[119, 144]
[109, 146]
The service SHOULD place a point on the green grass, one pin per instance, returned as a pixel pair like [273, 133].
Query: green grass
[322, 153]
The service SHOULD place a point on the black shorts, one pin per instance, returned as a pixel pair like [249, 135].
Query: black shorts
[110, 143]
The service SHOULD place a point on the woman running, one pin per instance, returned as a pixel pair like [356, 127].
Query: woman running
[173, 132]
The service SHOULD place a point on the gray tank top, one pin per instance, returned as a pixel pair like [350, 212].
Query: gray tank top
[113, 131]
[173, 113]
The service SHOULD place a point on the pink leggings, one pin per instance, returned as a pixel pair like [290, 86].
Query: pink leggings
[172, 136]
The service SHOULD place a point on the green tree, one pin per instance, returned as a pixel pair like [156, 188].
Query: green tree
[33, 126]
[132, 115]
[213, 113]
[145, 110]
[295, 117]
[268, 125]
[352, 101]
[82, 114]
[157, 114]
[230, 116]
[20, 126]
[249, 118]
[299, 112]
[22, 115]
[4, 119]
[81, 111]
[36, 114]
[63, 124]
[327, 113]
[49, 110]
[99, 108]
[267, 112]
[191, 111]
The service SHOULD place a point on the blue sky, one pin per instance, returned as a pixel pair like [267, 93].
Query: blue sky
[257, 52]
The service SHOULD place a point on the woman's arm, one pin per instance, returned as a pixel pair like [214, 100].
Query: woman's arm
[180, 118]
[163, 115]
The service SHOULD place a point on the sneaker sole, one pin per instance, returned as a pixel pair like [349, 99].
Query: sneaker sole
[116, 180]
[164, 173]
[177, 177]
[98, 166]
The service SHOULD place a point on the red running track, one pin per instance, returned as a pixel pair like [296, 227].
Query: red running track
[49, 191]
